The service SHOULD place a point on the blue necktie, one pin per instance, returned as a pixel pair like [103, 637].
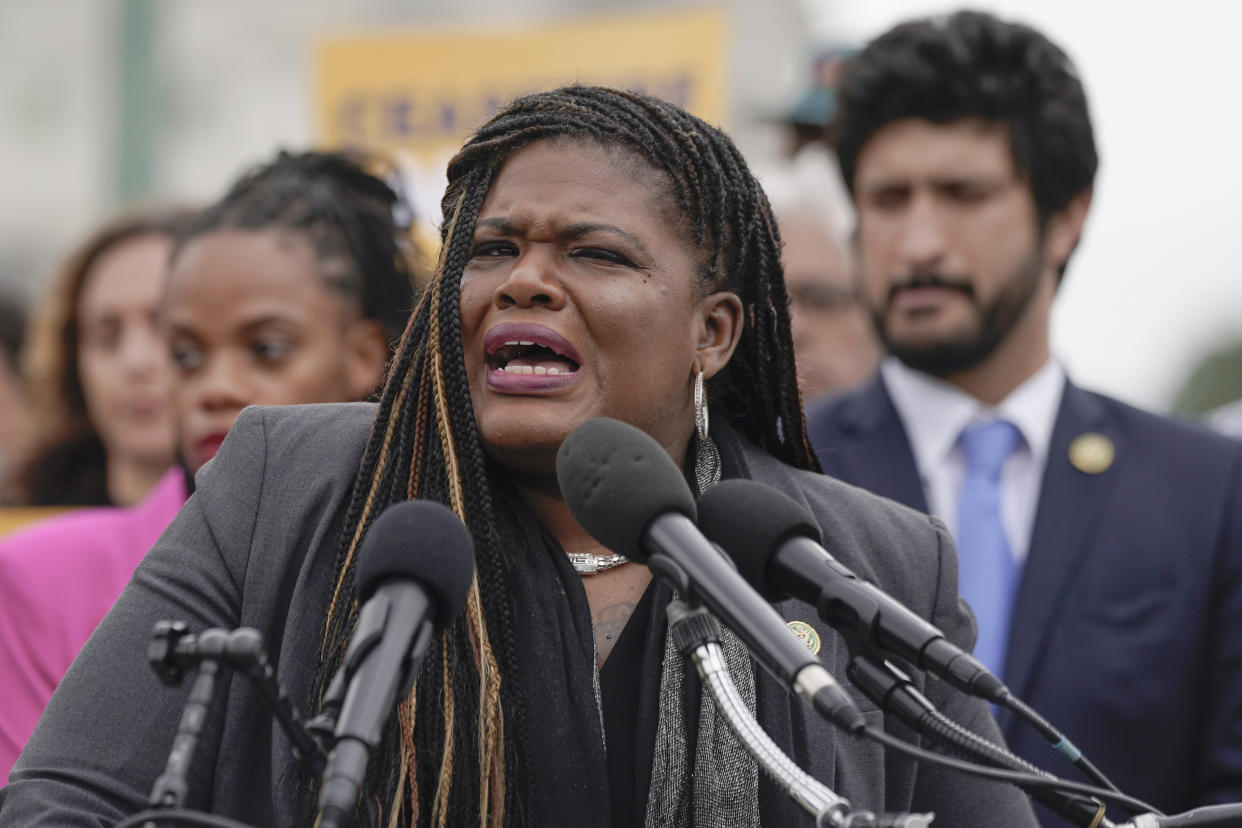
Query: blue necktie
[988, 572]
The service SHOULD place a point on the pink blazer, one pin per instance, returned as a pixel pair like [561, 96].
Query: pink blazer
[58, 579]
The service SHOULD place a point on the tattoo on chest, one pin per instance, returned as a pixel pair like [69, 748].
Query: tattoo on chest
[609, 621]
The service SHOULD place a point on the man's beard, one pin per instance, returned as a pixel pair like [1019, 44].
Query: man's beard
[964, 349]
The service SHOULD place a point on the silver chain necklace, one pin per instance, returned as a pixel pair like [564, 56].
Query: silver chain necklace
[587, 564]
[707, 467]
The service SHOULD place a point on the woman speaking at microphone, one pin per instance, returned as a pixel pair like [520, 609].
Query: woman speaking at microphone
[605, 254]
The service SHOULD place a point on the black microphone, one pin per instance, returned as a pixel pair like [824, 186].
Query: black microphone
[414, 570]
[776, 544]
[626, 491]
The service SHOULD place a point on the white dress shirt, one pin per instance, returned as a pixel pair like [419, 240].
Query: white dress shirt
[934, 414]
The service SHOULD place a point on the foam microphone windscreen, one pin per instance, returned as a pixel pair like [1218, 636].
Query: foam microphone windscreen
[424, 541]
[616, 479]
[750, 521]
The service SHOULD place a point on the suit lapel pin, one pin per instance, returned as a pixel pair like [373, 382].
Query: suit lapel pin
[1092, 453]
[806, 633]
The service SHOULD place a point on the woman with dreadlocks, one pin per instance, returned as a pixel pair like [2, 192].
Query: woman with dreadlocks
[604, 254]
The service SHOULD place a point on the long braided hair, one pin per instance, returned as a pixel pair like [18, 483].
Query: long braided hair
[456, 754]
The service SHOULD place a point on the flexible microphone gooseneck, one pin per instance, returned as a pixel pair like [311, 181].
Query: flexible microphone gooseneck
[696, 634]
[414, 570]
[626, 491]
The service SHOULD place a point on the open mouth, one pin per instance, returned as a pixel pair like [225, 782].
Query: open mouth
[526, 357]
[515, 349]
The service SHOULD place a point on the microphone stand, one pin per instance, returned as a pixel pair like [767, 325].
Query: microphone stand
[167, 653]
[696, 634]
[171, 650]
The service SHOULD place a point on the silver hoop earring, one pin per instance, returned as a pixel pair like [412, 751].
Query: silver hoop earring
[701, 419]
[706, 455]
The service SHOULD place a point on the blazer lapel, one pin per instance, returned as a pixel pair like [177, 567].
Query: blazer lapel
[870, 448]
[1066, 521]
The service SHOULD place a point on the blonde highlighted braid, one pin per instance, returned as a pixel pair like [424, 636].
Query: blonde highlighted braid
[456, 752]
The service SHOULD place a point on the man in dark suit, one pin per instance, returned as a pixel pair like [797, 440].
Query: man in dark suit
[1100, 546]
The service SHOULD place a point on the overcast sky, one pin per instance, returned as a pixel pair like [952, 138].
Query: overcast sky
[1157, 280]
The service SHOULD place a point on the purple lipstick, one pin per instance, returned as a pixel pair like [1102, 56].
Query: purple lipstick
[524, 357]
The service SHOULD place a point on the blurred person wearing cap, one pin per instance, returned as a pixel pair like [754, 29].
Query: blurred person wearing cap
[809, 171]
[812, 117]
[1100, 546]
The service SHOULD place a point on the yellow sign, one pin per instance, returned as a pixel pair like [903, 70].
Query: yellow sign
[418, 93]
[423, 90]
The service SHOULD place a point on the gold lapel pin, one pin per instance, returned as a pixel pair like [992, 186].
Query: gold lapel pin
[1092, 453]
[807, 634]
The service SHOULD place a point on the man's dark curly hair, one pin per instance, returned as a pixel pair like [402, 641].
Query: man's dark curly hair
[972, 65]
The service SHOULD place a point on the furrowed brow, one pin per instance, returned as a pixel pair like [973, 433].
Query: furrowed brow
[501, 225]
[580, 229]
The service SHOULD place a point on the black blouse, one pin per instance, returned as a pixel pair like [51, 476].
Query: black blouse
[629, 726]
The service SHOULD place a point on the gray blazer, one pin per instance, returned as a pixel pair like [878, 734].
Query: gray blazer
[256, 545]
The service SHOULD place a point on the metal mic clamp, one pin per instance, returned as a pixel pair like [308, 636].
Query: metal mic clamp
[171, 650]
[170, 642]
[323, 726]
[162, 651]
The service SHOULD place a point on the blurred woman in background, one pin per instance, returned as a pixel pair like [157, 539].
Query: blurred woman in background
[101, 429]
[292, 289]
